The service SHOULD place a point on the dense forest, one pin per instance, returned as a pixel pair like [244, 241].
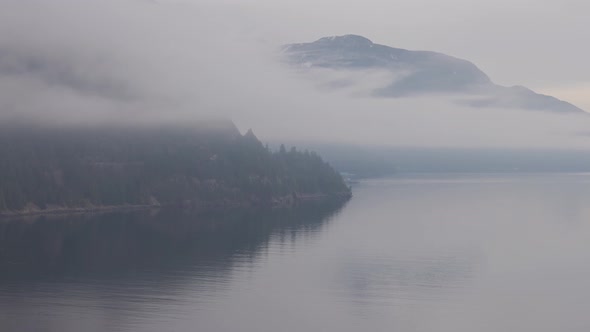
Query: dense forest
[54, 169]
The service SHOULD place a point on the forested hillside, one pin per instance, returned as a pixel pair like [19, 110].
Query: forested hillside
[55, 169]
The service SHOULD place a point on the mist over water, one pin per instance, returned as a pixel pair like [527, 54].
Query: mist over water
[410, 253]
[424, 252]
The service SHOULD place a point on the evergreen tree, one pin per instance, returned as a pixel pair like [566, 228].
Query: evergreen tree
[75, 168]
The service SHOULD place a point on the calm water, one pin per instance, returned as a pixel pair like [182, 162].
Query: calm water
[414, 253]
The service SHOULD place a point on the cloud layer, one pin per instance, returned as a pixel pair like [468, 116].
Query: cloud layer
[69, 61]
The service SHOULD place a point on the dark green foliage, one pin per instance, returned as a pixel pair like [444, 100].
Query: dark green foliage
[92, 167]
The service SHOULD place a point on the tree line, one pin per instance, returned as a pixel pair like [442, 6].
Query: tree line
[89, 167]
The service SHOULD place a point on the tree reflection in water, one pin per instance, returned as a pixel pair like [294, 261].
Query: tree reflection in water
[119, 244]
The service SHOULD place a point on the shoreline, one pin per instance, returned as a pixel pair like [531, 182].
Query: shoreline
[277, 202]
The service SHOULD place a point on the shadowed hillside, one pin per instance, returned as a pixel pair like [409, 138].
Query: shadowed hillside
[52, 170]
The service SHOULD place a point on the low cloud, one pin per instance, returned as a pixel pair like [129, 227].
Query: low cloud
[145, 61]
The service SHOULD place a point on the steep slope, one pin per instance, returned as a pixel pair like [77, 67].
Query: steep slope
[417, 73]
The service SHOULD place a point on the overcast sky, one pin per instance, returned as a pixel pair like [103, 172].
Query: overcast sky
[172, 60]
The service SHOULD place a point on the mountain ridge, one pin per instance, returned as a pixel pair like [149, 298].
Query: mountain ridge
[420, 73]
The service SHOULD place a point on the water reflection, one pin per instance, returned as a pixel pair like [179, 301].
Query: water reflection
[430, 278]
[135, 271]
[421, 253]
[119, 244]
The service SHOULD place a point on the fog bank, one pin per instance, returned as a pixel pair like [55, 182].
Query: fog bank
[108, 61]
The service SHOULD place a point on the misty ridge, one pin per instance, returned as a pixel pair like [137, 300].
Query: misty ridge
[417, 73]
[150, 62]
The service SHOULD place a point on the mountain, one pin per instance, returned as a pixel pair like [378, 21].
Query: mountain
[50, 169]
[417, 73]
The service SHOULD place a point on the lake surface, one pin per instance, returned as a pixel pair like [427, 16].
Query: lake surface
[438, 252]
